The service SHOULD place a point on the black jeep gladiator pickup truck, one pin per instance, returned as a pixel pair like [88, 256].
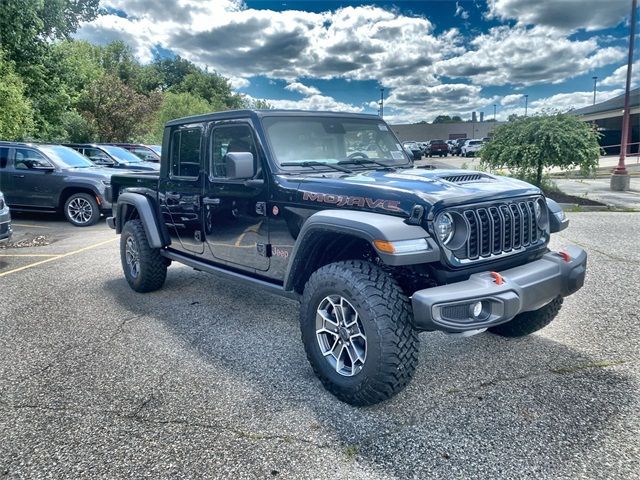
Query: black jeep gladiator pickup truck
[328, 209]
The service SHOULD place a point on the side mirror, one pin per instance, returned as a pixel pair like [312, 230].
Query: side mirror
[239, 165]
[45, 168]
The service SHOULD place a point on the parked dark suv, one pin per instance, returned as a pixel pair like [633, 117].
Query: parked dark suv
[53, 178]
[145, 152]
[113, 157]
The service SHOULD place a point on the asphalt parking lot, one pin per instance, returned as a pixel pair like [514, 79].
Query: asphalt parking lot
[208, 379]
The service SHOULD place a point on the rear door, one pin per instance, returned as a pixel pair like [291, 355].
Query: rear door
[180, 189]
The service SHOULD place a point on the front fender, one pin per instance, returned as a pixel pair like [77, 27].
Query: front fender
[365, 225]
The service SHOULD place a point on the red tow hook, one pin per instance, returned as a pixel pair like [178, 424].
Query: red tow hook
[565, 256]
[497, 278]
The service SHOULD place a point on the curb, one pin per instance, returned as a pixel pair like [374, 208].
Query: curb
[574, 207]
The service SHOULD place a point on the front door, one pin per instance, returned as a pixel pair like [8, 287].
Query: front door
[181, 189]
[34, 186]
[235, 221]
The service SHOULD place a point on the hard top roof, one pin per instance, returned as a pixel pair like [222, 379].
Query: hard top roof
[233, 114]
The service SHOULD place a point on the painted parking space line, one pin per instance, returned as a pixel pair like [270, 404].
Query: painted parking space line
[30, 255]
[57, 257]
[28, 225]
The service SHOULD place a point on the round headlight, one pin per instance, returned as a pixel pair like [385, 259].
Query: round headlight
[540, 211]
[444, 228]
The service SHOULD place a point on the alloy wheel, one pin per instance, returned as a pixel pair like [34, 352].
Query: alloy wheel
[340, 335]
[80, 210]
[132, 257]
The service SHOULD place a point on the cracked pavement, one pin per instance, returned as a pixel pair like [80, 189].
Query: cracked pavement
[208, 379]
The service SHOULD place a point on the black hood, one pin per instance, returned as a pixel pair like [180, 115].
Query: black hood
[398, 191]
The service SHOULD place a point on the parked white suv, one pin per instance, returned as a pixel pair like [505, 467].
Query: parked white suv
[471, 147]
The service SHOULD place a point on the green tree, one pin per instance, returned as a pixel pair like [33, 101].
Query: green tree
[115, 111]
[176, 105]
[26, 26]
[447, 119]
[16, 114]
[214, 88]
[527, 146]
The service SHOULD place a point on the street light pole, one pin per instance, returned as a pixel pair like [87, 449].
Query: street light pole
[494, 112]
[595, 80]
[381, 102]
[620, 177]
[526, 103]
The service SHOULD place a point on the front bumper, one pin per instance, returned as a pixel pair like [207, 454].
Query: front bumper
[5, 226]
[529, 287]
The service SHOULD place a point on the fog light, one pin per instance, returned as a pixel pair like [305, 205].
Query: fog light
[476, 309]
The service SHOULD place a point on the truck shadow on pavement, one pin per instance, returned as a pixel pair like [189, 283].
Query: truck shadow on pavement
[477, 407]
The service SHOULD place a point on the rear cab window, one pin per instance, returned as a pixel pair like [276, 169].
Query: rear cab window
[185, 152]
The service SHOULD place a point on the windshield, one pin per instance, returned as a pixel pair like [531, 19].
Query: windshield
[331, 140]
[66, 156]
[156, 148]
[475, 142]
[121, 154]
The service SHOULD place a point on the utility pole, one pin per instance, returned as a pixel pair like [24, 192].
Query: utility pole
[526, 103]
[595, 80]
[381, 102]
[494, 112]
[620, 177]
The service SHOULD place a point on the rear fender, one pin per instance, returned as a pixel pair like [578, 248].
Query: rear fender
[147, 214]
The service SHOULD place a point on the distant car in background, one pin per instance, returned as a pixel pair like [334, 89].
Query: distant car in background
[5, 221]
[437, 147]
[145, 152]
[471, 147]
[413, 149]
[457, 146]
[113, 157]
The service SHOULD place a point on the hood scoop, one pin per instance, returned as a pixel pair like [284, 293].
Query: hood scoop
[466, 178]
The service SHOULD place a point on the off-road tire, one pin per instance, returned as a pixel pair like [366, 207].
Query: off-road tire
[90, 202]
[529, 322]
[385, 312]
[152, 270]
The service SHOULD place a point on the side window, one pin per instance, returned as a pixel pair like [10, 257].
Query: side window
[4, 157]
[236, 138]
[144, 154]
[27, 159]
[97, 156]
[185, 152]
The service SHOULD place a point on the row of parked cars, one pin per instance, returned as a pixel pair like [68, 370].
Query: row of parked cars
[441, 148]
[72, 178]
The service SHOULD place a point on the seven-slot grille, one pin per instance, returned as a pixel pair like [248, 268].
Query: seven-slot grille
[499, 228]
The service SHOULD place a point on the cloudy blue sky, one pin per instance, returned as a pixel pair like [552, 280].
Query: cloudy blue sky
[432, 57]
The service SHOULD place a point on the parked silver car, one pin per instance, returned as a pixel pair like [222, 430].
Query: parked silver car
[5, 221]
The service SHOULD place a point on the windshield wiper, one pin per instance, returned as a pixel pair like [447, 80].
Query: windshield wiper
[364, 161]
[316, 164]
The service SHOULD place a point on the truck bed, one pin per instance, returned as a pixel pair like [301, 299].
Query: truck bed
[141, 182]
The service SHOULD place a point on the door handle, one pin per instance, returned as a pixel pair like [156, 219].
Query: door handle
[172, 196]
[18, 176]
[211, 201]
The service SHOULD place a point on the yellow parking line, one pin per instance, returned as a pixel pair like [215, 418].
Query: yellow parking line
[80, 250]
[28, 225]
[30, 255]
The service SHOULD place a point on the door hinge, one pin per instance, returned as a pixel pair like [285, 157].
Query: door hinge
[261, 208]
[264, 249]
